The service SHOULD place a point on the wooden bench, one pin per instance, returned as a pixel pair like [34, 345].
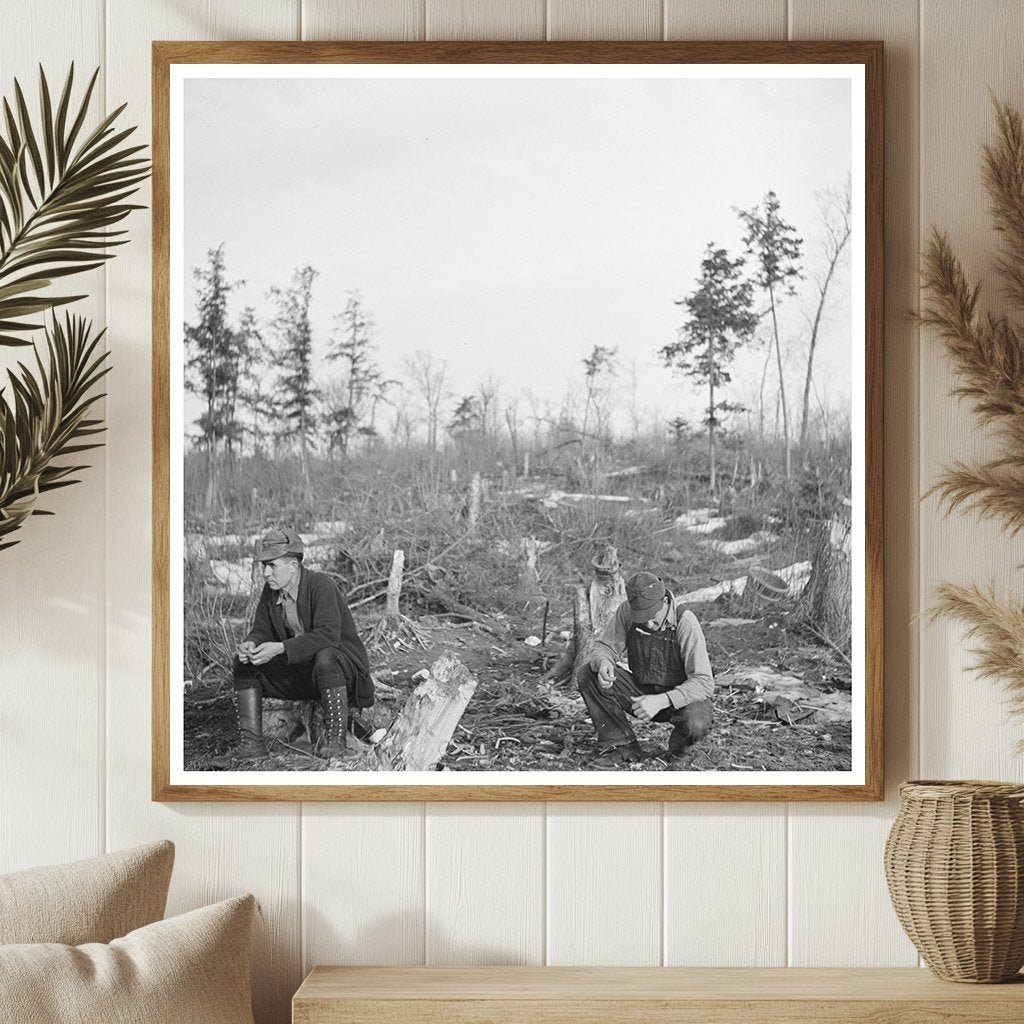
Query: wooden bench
[647, 995]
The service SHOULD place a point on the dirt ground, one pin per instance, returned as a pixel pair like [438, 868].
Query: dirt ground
[514, 721]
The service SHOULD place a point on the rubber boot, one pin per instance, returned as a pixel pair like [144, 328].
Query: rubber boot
[334, 701]
[249, 709]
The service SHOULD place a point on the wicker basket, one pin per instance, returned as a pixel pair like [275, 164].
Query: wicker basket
[954, 861]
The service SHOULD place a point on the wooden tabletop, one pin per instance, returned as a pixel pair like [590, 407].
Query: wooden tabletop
[726, 984]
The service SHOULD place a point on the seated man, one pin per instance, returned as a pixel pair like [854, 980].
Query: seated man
[303, 645]
[669, 677]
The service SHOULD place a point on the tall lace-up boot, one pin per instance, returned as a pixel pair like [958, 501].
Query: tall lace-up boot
[249, 710]
[334, 702]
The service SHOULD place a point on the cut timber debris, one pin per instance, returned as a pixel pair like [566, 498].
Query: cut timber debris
[794, 577]
[418, 738]
[711, 526]
[556, 498]
[790, 698]
[695, 516]
[743, 546]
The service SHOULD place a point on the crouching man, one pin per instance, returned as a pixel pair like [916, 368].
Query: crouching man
[303, 645]
[669, 677]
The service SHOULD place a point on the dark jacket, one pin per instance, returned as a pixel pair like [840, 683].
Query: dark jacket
[327, 622]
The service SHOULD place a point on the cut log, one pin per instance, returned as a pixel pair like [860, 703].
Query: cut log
[418, 738]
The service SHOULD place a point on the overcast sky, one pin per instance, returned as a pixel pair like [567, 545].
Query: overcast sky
[510, 226]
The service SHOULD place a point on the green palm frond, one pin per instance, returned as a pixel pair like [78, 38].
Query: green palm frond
[45, 418]
[62, 191]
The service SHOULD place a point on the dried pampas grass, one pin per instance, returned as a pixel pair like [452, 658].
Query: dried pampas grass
[987, 354]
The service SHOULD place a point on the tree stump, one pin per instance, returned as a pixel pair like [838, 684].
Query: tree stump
[593, 608]
[391, 610]
[829, 594]
[529, 579]
[256, 584]
[418, 738]
[475, 492]
[393, 627]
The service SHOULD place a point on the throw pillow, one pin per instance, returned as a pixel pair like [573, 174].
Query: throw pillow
[92, 900]
[190, 968]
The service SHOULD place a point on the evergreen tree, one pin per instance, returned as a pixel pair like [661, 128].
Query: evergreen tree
[467, 420]
[255, 399]
[364, 381]
[720, 319]
[776, 249]
[298, 394]
[211, 366]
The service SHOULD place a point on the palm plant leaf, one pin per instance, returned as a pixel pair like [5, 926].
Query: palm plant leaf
[45, 419]
[62, 192]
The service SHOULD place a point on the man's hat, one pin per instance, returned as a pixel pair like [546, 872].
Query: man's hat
[645, 592]
[276, 543]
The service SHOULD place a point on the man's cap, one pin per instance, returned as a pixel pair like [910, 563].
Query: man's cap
[645, 592]
[276, 543]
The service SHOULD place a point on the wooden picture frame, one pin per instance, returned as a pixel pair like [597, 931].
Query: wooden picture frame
[863, 63]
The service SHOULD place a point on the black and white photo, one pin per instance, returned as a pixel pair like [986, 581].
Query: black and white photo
[519, 427]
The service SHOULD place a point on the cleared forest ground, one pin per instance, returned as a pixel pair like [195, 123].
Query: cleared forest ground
[782, 699]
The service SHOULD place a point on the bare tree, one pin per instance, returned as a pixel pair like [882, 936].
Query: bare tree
[430, 378]
[776, 250]
[836, 210]
[598, 369]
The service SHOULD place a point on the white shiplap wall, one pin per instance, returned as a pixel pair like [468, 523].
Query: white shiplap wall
[508, 883]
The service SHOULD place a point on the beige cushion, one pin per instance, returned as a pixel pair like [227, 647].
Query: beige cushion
[93, 900]
[190, 969]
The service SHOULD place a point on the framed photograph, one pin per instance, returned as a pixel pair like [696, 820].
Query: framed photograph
[517, 420]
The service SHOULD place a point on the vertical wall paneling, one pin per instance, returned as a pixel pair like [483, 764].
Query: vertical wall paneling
[604, 884]
[485, 19]
[362, 884]
[618, 883]
[835, 852]
[725, 19]
[738, 879]
[968, 49]
[725, 863]
[470, 916]
[51, 600]
[363, 19]
[362, 893]
[599, 19]
[485, 884]
[221, 849]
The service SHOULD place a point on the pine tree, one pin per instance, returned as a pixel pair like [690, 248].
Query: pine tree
[298, 393]
[720, 319]
[467, 420]
[776, 249]
[211, 367]
[364, 381]
[254, 398]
